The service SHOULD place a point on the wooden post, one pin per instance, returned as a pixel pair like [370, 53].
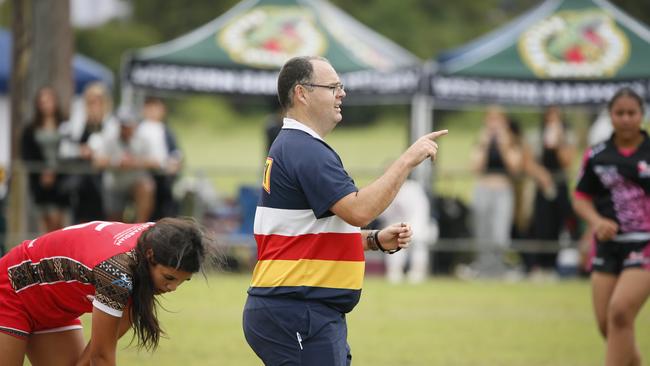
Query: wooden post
[21, 45]
[41, 55]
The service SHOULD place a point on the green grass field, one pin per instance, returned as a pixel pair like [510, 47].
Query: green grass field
[441, 322]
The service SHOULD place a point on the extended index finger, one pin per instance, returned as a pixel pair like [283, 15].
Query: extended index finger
[435, 134]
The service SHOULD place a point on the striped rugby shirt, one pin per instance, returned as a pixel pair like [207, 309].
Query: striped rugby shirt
[304, 251]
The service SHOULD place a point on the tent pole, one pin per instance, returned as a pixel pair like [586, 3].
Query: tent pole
[131, 98]
[126, 94]
[421, 123]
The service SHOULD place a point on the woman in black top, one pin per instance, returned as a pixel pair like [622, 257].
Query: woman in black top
[39, 150]
[496, 159]
[552, 212]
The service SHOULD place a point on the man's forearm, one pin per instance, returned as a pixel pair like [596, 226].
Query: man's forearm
[372, 200]
[378, 195]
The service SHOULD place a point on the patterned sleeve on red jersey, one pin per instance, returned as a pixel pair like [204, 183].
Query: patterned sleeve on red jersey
[114, 283]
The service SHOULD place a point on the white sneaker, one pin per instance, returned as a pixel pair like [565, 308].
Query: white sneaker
[395, 277]
[465, 272]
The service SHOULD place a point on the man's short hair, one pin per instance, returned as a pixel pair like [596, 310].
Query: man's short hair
[296, 71]
[153, 100]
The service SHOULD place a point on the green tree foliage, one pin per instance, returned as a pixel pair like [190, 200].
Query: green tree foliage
[150, 23]
[5, 14]
[108, 43]
[175, 18]
[427, 27]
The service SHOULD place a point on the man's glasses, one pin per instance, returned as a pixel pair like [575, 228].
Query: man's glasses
[336, 88]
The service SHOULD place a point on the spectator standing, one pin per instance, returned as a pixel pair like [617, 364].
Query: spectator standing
[310, 265]
[613, 197]
[126, 158]
[40, 151]
[497, 160]
[552, 212]
[79, 135]
[165, 151]
[152, 128]
[411, 204]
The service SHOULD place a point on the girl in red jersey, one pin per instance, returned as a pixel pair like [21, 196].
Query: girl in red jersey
[109, 269]
[613, 196]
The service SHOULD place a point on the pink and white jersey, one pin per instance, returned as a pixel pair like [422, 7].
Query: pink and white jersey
[54, 273]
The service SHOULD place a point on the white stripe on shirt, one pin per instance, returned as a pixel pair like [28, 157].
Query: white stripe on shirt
[297, 222]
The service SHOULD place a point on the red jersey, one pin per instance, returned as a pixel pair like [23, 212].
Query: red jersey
[53, 274]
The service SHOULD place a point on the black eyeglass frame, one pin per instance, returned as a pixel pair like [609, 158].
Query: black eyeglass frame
[333, 88]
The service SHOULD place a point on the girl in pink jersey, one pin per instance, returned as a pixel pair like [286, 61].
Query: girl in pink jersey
[613, 196]
[110, 269]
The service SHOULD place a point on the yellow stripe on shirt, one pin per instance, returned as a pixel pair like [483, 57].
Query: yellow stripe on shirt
[309, 272]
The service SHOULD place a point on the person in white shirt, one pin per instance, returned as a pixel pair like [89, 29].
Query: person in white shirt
[127, 159]
[165, 151]
[79, 135]
[152, 129]
[411, 205]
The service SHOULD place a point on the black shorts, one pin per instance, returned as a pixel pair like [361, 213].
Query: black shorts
[613, 257]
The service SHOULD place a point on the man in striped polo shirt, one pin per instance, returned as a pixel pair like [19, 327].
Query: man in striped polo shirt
[307, 226]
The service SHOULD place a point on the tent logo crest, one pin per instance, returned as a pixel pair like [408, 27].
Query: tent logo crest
[575, 44]
[268, 36]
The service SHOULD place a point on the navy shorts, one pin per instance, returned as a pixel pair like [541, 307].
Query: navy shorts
[291, 332]
[613, 257]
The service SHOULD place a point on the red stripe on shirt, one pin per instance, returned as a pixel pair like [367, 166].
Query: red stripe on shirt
[324, 246]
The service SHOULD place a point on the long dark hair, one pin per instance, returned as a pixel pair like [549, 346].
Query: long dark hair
[178, 243]
[38, 113]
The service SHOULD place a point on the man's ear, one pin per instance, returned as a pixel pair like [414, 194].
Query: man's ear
[299, 94]
[148, 254]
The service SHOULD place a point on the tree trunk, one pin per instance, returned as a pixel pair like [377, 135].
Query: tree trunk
[51, 60]
[21, 37]
[41, 56]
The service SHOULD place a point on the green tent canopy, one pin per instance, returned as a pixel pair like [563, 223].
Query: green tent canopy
[242, 51]
[564, 52]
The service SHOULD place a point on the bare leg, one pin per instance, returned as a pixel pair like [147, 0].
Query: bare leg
[47, 222]
[53, 220]
[419, 259]
[144, 193]
[59, 348]
[114, 216]
[57, 219]
[631, 292]
[602, 288]
[12, 350]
